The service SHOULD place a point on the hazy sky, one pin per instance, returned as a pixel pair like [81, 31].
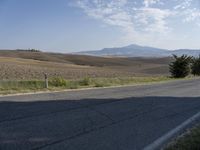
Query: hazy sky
[75, 25]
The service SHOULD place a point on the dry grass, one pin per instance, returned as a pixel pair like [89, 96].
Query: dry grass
[23, 69]
[58, 83]
[188, 141]
[20, 65]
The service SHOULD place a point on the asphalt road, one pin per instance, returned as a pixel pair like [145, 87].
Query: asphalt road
[125, 118]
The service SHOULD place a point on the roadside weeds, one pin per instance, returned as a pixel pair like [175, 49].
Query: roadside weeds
[190, 140]
[60, 84]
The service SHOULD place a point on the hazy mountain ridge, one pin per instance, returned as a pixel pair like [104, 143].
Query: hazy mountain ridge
[141, 51]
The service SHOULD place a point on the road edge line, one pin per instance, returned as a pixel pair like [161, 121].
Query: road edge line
[157, 143]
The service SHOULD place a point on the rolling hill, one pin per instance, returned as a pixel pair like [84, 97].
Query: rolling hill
[25, 65]
[140, 51]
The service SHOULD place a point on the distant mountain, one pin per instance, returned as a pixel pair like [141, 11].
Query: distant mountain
[191, 52]
[140, 51]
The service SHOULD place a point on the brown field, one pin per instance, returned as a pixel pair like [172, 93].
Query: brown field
[24, 65]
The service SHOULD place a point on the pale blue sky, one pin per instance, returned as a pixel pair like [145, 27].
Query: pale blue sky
[76, 25]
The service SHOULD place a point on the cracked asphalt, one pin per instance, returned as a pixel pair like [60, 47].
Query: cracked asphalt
[123, 118]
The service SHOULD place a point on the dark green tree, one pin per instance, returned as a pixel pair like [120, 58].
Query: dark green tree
[196, 66]
[180, 67]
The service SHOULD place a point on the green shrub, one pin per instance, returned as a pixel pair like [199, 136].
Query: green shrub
[73, 85]
[196, 66]
[98, 84]
[58, 81]
[102, 82]
[180, 68]
[85, 82]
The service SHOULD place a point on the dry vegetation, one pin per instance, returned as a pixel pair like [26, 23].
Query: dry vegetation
[23, 65]
[187, 141]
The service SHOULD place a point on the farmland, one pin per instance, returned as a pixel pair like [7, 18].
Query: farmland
[24, 65]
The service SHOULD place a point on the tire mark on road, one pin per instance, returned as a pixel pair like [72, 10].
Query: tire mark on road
[114, 123]
[54, 112]
[97, 129]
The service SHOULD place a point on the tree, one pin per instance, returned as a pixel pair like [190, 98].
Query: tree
[196, 66]
[180, 68]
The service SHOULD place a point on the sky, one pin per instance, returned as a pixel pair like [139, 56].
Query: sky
[78, 25]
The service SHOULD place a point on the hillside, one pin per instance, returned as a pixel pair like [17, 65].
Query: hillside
[140, 51]
[32, 65]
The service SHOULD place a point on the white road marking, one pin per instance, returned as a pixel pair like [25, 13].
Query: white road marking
[157, 143]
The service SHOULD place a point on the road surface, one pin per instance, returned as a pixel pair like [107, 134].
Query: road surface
[125, 118]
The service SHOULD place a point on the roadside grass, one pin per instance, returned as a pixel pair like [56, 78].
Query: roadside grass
[188, 141]
[12, 87]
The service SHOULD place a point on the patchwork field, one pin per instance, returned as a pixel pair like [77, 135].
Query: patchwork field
[25, 65]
